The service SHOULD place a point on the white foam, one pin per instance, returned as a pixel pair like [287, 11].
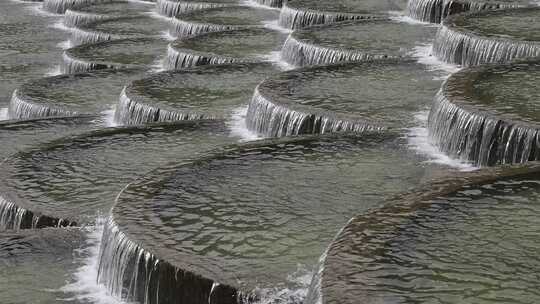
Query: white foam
[275, 58]
[297, 291]
[401, 16]
[83, 286]
[64, 45]
[424, 54]
[258, 5]
[418, 141]
[273, 25]
[59, 25]
[237, 125]
[4, 114]
[57, 70]
[108, 117]
[167, 36]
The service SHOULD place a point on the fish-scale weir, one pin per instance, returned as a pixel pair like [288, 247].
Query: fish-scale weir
[304, 13]
[290, 103]
[481, 116]
[169, 96]
[435, 11]
[353, 41]
[488, 37]
[236, 46]
[171, 8]
[61, 6]
[391, 242]
[219, 19]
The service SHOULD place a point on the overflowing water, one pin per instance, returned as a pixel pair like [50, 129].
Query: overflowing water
[83, 285]
[274, 120]
[480, 137]
[222, 219]
[183, 29]
[170, 8]
[181, 59]
[467, 49]
[435, 11]
[19, 108]
[292, 18]
[131, 112]
[61, 6]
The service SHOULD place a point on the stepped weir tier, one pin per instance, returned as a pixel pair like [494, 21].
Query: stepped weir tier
[325, 99]
[269, 151]
[168, 96]
[489, 37]
[219, 19]
[354, 41]
[235, 46]
[487, 114]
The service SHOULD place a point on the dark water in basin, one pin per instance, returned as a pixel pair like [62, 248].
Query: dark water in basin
[478, 245]
[230, 16]
[79, 176]
[92, 92]
[213, 90]
[121, 8]
[41, 261]
[378, 37]
[250, 216]
[350, 6]
[141, 52]
[245, 44]
[135, 26]
[517, 24]
[509, 91]
[25, 54]
[336, 89]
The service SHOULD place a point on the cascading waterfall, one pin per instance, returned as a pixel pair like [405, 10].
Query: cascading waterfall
[300, 53]
[169, 8]
[182, 29]
[20, 108]
[131, 112]
[61, 6]
[270, 3]
[480, 137]
[292, 18]
[13, 217]
[179, 59]
[435, 11]
[80, 37]
[273, 120]
[467, 49]
[71, 65]
[74, 18]
[134, 274]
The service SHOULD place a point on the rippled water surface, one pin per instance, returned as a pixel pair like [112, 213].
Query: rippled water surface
[243, 44]
[28, 45]
[522, 24]
[379, 37]
[136, 52]
[211, 90]
[349, 6]
[254, 214]
[336, 88]
[80, 176]
[231, 16]
[478, 245]
[511, 91]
